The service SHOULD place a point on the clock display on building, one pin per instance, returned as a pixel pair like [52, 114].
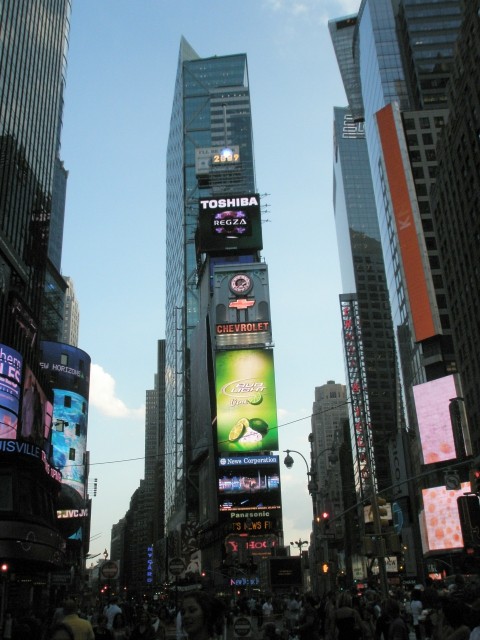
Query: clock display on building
[240, 284]
[226, 154]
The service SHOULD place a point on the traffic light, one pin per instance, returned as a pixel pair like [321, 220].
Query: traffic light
[4, 567]
[382, 511]
[325, 567]
[469, 512]
[325, 519]
[474, 476]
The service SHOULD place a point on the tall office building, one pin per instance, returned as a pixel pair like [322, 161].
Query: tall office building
[365, 290]
[455, 205]
[222, 475]
[211, 108]
[329, 412]
[396, 60]
[138, 539]
[32, 66]
[71, 315]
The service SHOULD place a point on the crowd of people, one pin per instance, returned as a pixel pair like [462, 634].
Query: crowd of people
[433, 611]
[114, 621]
[430, 612]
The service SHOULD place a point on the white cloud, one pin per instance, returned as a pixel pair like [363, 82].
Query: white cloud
[103, 396]
[315, 8]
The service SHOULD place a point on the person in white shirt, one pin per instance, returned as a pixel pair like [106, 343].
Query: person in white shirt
[110, 611]
[416, 608]
[267, 609]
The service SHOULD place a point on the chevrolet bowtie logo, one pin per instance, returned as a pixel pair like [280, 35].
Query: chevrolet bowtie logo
[241, 304]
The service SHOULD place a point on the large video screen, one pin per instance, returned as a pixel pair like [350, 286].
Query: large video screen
[10, 384]
[246, 401]
[69, 437]
[252, 483]
[442, 521]
[37, 411]
[432, 401]
[68, 367]
[229, 223]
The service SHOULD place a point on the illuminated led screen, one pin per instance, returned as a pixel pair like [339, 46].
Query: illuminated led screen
[69, 437]
[246, 401]
[432, 400]
[442, 522]
[10, 382]
[37, 411]
[229, 223]
[246, 486]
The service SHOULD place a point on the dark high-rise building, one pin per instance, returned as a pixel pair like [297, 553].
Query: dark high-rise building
[396, 60]
[211, 108]
[455, 206]
[33, 48]
[155, 462]
[364, 286]
[138, 539]
[222, 477]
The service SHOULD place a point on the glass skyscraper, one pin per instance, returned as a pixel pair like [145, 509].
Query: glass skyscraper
[363, 278]
[396, 61]
[211, 108]
[33, 46]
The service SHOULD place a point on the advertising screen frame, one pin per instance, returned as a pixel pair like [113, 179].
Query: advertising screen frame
[246, 401]
[229, 223]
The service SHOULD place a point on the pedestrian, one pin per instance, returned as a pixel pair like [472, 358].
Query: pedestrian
[397, 628]
[329, 627]
[143, 630]
[451, 621]
[308, 626]
[475, 621]
[82, 629]
[416, 608]
[267, 609]
[203, 616]
[111, 611]
[101, 631]
[119, 627]
[347, 619]
[159, 624]
[60, 631]
[7, 626]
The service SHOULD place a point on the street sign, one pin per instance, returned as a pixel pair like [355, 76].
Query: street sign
[109, 569]
[452, 481]
[176, 566]
[242, 627]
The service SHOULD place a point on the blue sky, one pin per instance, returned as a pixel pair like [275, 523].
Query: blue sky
[122, 64]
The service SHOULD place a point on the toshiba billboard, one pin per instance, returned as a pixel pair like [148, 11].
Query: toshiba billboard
[229, 223]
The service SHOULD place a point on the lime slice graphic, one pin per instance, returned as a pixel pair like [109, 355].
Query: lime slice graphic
[257, 424]
[238, 430]
[256, 398]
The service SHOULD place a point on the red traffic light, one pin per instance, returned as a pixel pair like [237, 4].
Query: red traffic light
[325, 515]
[4, 567]
[474, 477]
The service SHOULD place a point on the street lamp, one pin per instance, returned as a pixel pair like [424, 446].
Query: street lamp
[311, 471]
[314, 491]
[299, 544]
[288, 462]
